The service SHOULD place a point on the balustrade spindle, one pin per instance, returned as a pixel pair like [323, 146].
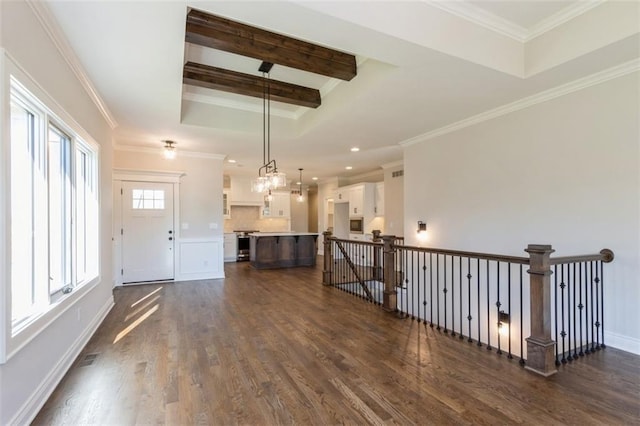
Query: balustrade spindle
[478, 301]
[460, 336]
[498, 305]
[444, 292]
[488, 308]
[469, 317]
[510, 356]
[576, 283]
[438, 291]
[424, 288]
[592, 307]
[431, 286]
[521, 318]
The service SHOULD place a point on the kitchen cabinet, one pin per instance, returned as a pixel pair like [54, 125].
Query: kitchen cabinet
[356, 201]
[241, 194]
[341, 195]
[279, 206]
[378, 209]
[230, 247]
[226, 209]
[361, 200]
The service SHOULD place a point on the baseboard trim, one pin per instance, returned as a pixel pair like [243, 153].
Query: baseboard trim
[619, 341]
[32, 406]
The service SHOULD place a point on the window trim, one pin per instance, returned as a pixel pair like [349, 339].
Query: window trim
[13, 339]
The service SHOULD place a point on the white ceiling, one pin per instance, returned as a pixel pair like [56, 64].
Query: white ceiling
[422, 66]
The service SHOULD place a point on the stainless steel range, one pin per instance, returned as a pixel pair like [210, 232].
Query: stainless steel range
[243, 244]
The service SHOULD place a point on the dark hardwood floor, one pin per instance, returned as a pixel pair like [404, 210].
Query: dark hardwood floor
[276, 347]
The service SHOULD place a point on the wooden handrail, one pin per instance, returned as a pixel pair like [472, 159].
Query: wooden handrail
[605, 255]
[484, 256]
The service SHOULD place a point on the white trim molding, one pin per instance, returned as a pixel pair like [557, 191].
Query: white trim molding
[200, 258]
[34, 403]
[547, 95]
[148, 175]
[490, 21]
[158, 151]
[52, 28]
[120, 175]
[624, 343]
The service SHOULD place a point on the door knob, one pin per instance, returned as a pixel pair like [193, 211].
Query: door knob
[170, 238]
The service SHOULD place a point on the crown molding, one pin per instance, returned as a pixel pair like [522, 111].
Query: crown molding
[482, 17]
[564, 15]
[158, 151]
[486, 19]
[556, 92]
[52, 29]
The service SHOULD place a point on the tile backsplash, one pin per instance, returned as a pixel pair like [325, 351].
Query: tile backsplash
[248, 217]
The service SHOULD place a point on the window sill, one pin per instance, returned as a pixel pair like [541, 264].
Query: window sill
[30, 328]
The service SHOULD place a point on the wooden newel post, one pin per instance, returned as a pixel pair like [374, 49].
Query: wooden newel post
[328, 258]
[540, 346]
[389, 302]
[377, 256]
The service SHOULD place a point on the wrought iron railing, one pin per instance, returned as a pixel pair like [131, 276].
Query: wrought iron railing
[472, 296]
[578, 308]
[506, 303]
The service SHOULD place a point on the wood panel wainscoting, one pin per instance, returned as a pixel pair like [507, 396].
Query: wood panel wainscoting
[277, 347]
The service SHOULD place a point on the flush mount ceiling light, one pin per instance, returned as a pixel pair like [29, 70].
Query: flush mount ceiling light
[169, 150]
[268, 176]
[355, 149]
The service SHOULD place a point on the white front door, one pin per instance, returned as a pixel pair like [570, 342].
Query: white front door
[147, 231]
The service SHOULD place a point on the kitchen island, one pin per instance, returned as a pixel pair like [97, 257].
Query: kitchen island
[270, 250]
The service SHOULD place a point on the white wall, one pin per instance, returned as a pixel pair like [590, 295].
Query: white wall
[325, 192]
[30, 375]
[564, 172]
[393, 201]
[199, 233]
[300, 213]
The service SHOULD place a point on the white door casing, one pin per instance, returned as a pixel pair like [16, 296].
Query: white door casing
[148, 231]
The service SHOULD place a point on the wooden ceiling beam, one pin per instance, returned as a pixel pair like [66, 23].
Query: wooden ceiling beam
[224, 34]
[250, 85]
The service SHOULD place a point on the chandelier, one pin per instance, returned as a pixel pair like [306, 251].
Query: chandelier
[269, 178]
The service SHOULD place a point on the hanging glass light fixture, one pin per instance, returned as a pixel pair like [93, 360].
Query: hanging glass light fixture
[269, 177]
[300, 198]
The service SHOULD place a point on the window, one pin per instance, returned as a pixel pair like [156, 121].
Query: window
[148, 199]
[54, 209]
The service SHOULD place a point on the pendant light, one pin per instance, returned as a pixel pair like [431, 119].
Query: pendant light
[300, 198]
[268, 176]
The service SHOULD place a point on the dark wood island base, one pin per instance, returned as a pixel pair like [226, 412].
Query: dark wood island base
[282, 250]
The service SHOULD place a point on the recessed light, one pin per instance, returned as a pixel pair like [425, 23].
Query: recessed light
[231, 161]
[355, 149]
[314, 178]
[348, 167]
